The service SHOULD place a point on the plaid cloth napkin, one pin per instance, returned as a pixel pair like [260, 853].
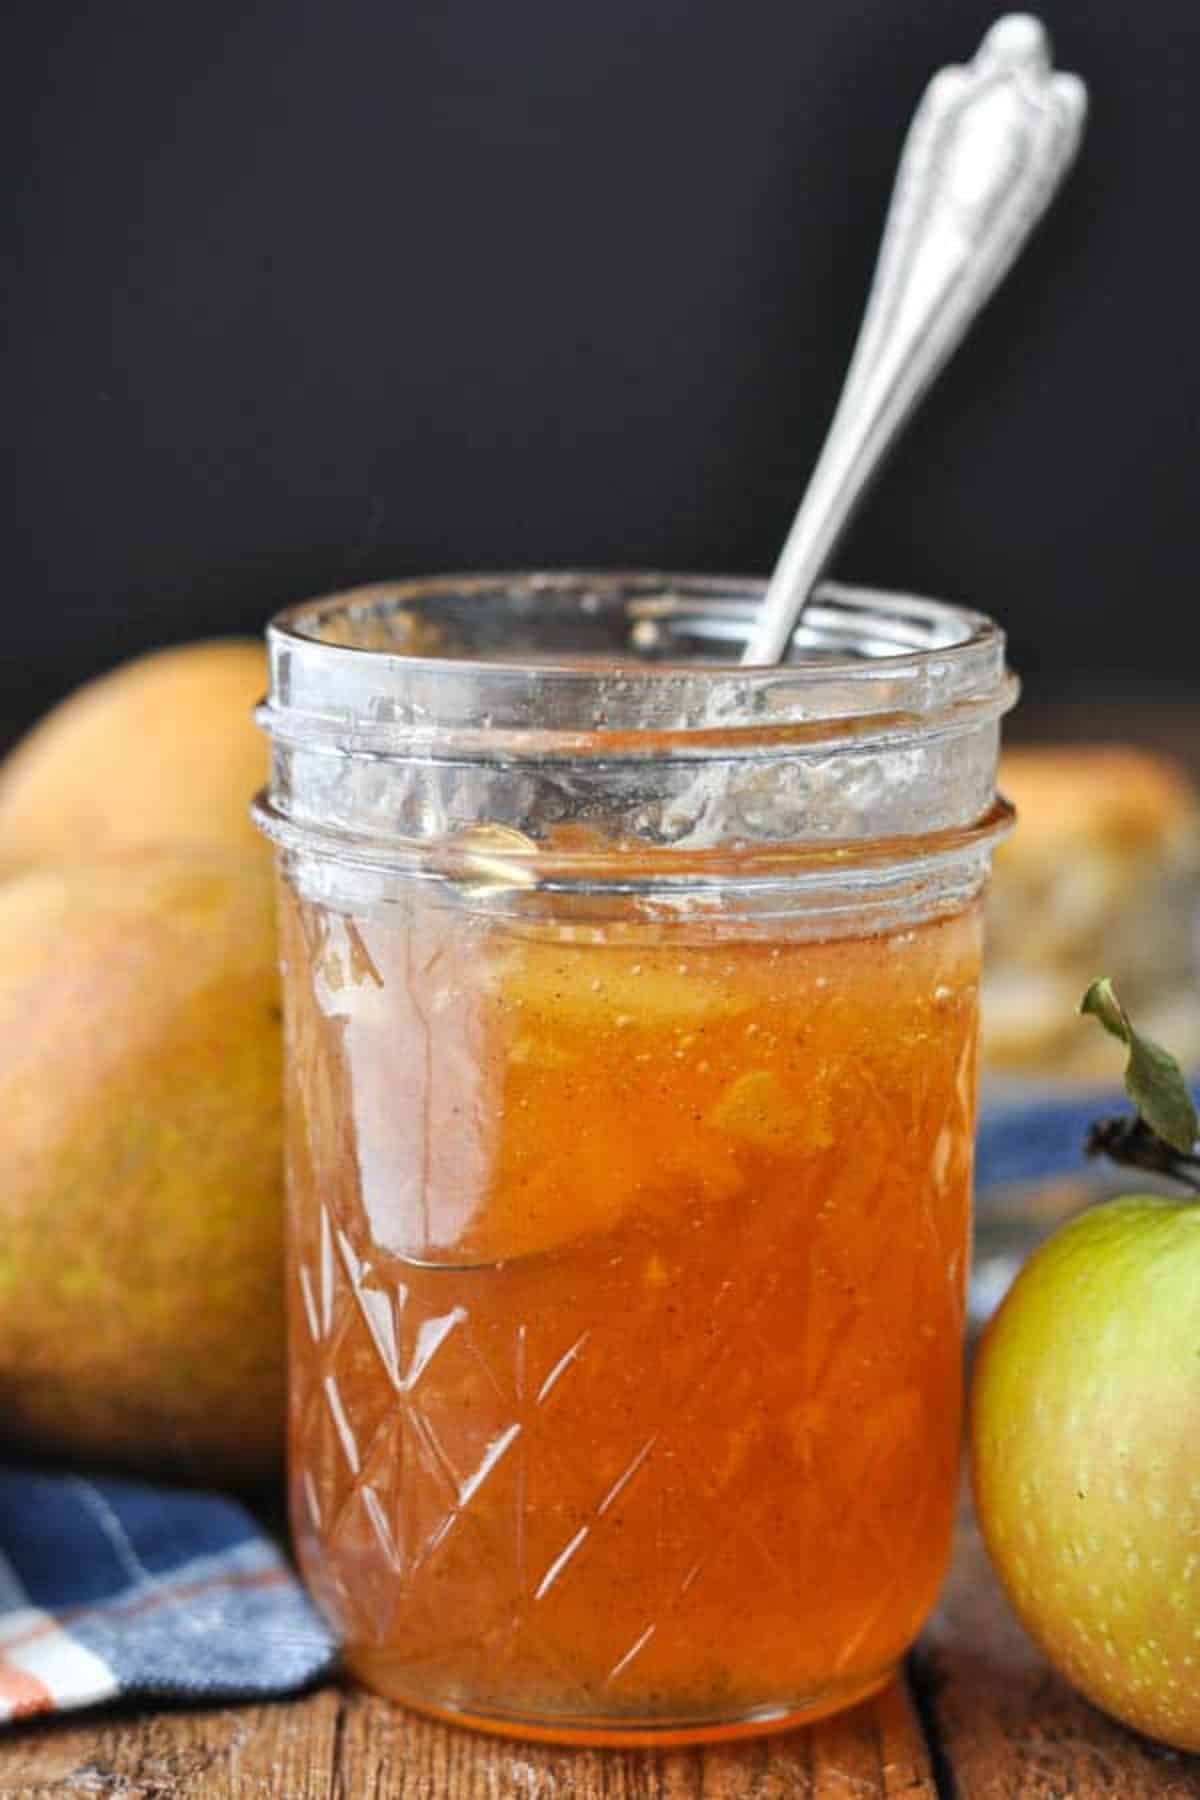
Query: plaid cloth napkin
[1023, 1138]
[114, 1588]
[1026, 1136]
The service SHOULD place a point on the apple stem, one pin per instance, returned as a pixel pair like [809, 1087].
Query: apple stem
[1136, 1145]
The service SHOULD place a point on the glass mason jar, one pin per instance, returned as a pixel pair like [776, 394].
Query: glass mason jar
[630, 1022]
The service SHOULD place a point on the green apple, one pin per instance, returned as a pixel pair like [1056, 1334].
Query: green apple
[1085, 1458]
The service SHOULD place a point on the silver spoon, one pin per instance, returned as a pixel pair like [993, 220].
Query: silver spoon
[987, 148]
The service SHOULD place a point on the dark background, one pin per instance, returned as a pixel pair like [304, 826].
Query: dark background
[306, 292]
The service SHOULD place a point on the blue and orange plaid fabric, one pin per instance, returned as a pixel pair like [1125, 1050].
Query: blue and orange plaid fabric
[1040, 1136]
[113, 1588]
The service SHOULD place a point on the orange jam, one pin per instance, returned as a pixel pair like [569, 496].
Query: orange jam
[627, 1271]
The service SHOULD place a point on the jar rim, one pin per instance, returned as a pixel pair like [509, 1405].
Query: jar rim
[745, 590]
[478, 665]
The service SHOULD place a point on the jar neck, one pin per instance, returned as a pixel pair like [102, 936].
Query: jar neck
[537, 734]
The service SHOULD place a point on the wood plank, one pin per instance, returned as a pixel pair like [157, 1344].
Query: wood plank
[875, 1750]
[278, 1752]
[335, 1744]
[1006, 1725]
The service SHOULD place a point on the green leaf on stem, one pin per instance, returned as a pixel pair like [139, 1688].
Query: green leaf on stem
[1153, 1079]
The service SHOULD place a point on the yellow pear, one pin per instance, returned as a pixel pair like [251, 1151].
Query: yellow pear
[141, 1291]
[162, 750]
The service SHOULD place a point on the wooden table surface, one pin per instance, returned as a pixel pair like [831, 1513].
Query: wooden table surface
[978, 1715]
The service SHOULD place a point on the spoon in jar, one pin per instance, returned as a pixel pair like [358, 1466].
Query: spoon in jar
[987, 149]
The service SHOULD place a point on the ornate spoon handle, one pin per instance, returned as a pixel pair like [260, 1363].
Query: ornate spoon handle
[986, 150]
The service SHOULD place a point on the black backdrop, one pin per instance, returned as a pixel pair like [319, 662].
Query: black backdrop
[306, 292]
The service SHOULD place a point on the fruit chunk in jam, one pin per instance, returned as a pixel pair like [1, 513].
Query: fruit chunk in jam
[627, 1273]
